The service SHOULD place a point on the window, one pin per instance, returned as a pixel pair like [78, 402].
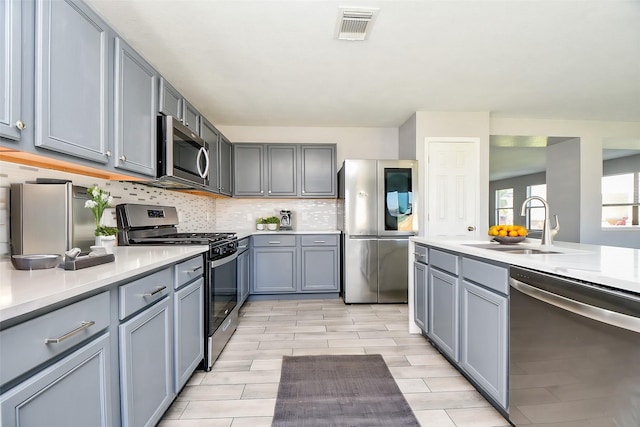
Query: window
[504, 206]
[535, 209]
[620, 200]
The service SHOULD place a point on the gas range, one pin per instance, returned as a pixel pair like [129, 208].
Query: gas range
[157, 225]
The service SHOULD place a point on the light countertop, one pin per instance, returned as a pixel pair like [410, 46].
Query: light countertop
[23, 291]
[615, 267]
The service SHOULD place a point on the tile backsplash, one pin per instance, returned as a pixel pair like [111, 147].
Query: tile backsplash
[195, 213]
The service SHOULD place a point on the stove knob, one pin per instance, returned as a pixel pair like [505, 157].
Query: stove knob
[216, 251]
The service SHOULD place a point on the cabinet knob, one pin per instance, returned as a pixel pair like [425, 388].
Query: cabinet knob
[123, 158]
[108, 153]
[302, 191]
[21, 125]
[471, 228]
[269, 191]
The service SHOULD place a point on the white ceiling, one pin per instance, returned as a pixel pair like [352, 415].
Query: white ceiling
[278, 63]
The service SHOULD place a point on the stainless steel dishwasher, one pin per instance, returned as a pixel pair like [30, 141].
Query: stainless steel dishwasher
[574, 353]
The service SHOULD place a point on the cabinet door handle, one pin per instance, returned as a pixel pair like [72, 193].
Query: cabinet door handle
[108, 153]
[274, 242]
[123, 158]
[21, 125]
[152, 293]
[84, 325]
[192, 271]
[319, 241]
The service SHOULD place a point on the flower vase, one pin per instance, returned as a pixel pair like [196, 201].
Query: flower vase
[107, 241]
[259, 226]
[272, 227]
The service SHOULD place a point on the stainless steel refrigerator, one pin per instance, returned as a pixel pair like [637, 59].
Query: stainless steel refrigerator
[378, 212]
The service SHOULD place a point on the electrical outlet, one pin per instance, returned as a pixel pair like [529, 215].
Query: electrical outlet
[249, 217]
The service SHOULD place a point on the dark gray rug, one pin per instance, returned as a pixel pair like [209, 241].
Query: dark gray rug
[356, 390]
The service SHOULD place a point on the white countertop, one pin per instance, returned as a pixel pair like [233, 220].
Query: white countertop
[23, 291]
[243, 234]
[606, 265]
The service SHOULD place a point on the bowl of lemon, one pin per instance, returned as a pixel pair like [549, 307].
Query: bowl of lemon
[508, 234]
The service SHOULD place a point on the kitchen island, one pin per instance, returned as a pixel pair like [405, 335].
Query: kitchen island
[518, 320]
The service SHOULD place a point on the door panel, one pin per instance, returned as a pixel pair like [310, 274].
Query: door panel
[397, 197]
[393, 258]
[360, 270]
[452, 189]
[361, 197]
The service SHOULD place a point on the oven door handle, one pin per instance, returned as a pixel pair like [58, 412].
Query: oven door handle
[223, 261]
[586, 310]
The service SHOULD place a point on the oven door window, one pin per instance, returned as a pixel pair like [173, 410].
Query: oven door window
[223, 293]
[190, 159]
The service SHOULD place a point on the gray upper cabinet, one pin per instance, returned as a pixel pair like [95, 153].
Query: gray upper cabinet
[282, 163]
[318, 170]
[170, 100]
[11, 69]
[225, 165]
[284, 170]
[135, 111]
[248, 171]
[72, 80]
[211, 135]
[190, 116]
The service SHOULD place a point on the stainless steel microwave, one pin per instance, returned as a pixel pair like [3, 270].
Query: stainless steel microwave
[183, 157]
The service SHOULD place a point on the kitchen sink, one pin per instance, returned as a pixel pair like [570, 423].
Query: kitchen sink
[513, 249]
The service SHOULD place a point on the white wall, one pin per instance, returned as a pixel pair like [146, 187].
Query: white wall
[352, 143]
[407, 139]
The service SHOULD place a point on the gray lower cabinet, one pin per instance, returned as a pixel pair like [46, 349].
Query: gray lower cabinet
[484, 310]
[274, 269]
[244, 270]
[443, 311]
[318, 170]
[420, 295]
[146, 382]
[11, 69]
[73, 77]
[188, 310]
[146, 348]
[483, 339]
[319, 263]
[135, 112]
[73, 392]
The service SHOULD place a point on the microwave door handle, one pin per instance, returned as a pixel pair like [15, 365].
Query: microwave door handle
[203, 174]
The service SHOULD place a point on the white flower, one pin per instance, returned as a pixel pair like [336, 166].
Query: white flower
[110, 199]
[95, 192]
[104, 197]
[90, 204]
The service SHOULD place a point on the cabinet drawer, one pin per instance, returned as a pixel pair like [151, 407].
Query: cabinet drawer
[421, 254]
[25, 346]
[144, 291]
[320, 240]
[492, 276]
[444, 261]
[188, 270]
[274, 240]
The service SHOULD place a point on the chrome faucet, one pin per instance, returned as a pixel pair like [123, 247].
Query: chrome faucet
[547, 231]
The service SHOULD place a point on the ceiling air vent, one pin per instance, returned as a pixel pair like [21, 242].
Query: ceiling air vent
[355, 23]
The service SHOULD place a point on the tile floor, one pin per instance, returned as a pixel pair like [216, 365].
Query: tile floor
[241, 389]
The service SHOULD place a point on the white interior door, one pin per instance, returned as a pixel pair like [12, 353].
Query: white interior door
[452, 186]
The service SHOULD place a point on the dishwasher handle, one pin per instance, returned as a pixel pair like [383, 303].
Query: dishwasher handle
[599, 314]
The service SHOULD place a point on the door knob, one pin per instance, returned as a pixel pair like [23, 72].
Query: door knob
[471, 228]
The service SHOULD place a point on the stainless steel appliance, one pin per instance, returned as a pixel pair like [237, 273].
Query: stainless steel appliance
[183, 157]
[49, 218]
[157, 225]
[377, 214]
[574, 352]
[286, 220]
